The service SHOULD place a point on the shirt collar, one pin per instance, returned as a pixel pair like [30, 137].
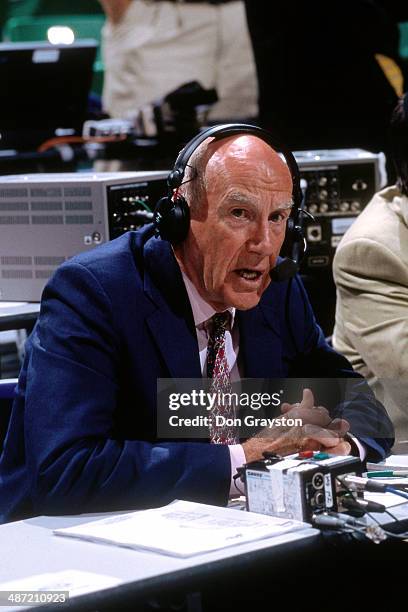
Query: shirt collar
[202, 311]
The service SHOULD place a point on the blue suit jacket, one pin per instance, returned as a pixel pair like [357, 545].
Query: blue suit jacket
[82, 435]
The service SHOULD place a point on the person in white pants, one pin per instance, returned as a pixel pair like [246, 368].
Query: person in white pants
[151, 47]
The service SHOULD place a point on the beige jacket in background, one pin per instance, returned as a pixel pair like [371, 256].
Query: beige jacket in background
[371, 274]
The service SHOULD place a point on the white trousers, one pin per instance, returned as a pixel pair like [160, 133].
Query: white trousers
[158, 46]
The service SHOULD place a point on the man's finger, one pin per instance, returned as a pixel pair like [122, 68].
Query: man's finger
[306, 402]
[317, 416]
[285, 407]
[309, 444]
[286, 443]
[328, 439]
[307, 399]
[340, 426]
[343, 448]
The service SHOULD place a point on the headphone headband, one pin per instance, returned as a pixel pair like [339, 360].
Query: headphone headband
[218, 132]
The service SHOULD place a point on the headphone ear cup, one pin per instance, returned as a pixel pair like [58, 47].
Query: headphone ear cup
[172, 219]
[294, 243]
[160, 212]
[174, 179]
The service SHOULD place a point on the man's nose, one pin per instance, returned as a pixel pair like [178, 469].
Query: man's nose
[261, 239]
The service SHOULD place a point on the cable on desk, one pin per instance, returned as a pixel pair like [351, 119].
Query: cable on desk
[390, 489]
[399, 536]
[238, 474]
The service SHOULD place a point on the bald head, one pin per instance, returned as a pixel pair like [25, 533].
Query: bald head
[216, 162]
[241, 157]
[244, 149]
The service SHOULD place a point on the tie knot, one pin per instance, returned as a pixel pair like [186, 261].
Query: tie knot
[219, 323]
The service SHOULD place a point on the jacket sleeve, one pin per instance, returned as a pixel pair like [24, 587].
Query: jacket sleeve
[70, 384]
[373, 306]
[347, 394]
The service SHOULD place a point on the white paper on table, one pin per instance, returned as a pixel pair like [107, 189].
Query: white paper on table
[397, 460]
[182, 528]
[386, 499]
[76, 582]
[12, 304]
[390, 463]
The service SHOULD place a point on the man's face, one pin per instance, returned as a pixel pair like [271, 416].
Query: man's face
[236, 235]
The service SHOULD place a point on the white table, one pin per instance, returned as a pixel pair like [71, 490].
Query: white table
[29, 547]
[18, 315]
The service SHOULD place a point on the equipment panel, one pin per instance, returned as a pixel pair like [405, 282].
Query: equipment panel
[47, 218]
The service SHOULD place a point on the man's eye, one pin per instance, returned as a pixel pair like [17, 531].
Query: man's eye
[277, 217]
[239, 213]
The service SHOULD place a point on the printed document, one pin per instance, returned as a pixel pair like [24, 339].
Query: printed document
[182, 528]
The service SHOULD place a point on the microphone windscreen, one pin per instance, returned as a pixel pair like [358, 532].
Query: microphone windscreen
[285, 270]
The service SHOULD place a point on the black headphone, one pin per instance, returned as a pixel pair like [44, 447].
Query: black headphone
[172, 214]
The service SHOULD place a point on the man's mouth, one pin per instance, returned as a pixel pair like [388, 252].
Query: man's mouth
[249, 274]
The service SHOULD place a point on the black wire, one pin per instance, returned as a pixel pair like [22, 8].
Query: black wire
[235, 478]
[347, 528]
[391, 515]
[195, 174]
[401, 536]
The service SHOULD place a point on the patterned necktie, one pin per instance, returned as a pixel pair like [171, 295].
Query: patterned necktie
[218, 371]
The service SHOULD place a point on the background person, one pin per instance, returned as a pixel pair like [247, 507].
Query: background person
[151, 47]
[371, 274]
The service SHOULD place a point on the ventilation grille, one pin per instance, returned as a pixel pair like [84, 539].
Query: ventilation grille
[16, 274]
[10, 272]
[5, 206]
[39, 260]
[17, 192]
[77, 191]
[45, 192]
[46, 206]
[43, 273]
[79, 219]
[13, 260]
[47, 219]
[78, 205]
[14, 220]
[48, 261]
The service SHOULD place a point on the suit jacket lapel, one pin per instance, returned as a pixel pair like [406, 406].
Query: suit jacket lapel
[260, 342]
[172, 323]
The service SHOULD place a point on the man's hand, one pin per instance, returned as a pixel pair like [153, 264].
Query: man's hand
[317, 432]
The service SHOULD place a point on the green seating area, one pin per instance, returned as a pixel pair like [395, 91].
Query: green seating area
[403, 47]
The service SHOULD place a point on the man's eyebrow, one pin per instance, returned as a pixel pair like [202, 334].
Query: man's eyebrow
[244, 199]
[238, 197]
[285, 206]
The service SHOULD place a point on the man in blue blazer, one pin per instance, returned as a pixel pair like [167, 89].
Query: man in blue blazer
[82, 435]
